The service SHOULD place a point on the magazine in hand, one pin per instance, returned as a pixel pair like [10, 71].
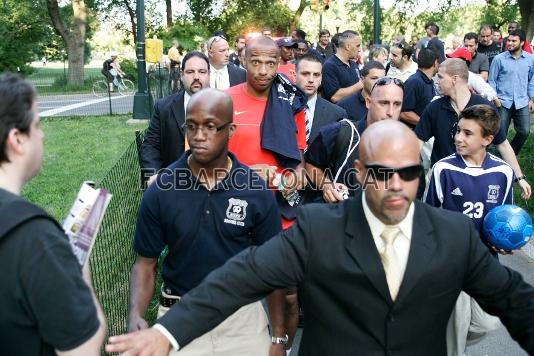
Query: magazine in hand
[84, 219]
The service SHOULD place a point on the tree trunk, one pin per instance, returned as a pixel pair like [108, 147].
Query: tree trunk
[526, 8]
[132, 15]
[168, 6]
[298, 14]
[74, 38]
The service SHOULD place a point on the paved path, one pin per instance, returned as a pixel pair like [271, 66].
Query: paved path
[83, 105]
[499, 342]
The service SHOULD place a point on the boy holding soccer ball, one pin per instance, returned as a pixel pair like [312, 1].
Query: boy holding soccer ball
[471, 181]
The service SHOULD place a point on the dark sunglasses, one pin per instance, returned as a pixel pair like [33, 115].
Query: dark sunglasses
[215, 39]
[384, 173]
[386, 81]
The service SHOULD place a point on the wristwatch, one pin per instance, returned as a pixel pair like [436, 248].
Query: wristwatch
[280, 340]
[517, 179]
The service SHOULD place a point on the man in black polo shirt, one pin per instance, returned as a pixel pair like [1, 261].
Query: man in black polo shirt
[479, 61]
[340, 72]
[435, 43]
[440, 118]
[205, 208]
[419, 89]
[354, 104]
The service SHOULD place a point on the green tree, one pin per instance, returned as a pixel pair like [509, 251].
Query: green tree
[22, 24]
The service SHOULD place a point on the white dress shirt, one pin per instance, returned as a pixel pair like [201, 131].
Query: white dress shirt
[186, 101]
[403, 240]
[223, 78]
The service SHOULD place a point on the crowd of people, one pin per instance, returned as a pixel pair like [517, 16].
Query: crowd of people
[345, 190]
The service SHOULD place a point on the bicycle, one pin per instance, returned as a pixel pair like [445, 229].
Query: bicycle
[101, 87]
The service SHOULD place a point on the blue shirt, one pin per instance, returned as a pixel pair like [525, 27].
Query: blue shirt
[418, 92]
[322, 151]
[513, 79]
[439, 120]
[354, 105]
[337, 75]
[472, 190]
[203, 229]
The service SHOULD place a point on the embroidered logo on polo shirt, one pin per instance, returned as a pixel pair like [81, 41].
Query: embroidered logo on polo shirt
[457, 191]
[493, 193]
[236, 212]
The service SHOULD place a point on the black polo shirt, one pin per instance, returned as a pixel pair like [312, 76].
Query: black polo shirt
[418, 92]
[337, 75]
[354, 105]
[439, 120]
[203, 229]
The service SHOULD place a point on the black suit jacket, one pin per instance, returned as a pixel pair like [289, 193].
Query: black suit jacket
[164, 139]
[330, 254]
[325, 113]
[236, 74]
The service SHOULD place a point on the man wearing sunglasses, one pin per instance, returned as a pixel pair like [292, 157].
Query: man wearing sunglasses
[223, 74]
[370, 270]
[440, 118]
[332, 153]
[205, 208]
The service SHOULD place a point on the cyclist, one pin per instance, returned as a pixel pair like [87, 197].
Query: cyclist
[111, 69]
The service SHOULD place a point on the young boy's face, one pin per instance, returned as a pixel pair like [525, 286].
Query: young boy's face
[469, 140]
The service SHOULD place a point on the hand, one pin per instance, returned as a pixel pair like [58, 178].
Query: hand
[531, 105]
[331, 192]
[265, 171]
[277, 350]
[500, 251]
[136, 322]
[294, 180]
[145, 342]
[497, 102]
[526, 190]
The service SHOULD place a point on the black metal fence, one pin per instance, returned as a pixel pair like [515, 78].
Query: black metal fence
[95, 94]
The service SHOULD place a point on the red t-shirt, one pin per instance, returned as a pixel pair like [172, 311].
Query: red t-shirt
[246, 141]
[289, 70]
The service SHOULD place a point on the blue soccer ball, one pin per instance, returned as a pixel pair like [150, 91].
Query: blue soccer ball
[508, 227]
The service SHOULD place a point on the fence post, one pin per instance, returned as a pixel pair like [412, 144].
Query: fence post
[109, 98]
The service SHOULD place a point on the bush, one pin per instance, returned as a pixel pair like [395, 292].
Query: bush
[129, 67]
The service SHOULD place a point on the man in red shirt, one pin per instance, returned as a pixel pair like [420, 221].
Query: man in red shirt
[255, 101]
[285, 66]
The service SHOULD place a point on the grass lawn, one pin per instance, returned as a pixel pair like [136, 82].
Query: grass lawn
[77, 149]
[53, 80]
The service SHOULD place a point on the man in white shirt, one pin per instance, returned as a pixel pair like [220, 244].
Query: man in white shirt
[402, 65]
[223, 74]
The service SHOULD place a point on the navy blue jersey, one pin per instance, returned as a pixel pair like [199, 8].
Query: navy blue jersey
[474, 191]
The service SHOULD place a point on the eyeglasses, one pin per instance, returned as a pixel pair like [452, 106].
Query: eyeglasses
[386, 81]
[384, 173]
[215, 39]
[209, 129]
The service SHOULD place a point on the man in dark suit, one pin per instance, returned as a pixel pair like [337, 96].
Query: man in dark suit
[223, 74]
[378, 274]
[164, 140]
[319, 111]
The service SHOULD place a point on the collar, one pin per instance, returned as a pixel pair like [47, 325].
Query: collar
[340, 62]
[509, 55]
[377, 227]
[213, 69]
[424, 77]
[228, 181]
[448, 106]
[311, 103]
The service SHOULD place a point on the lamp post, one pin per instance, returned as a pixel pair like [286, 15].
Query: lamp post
[338, 22]
[376, 22]
[142, 99]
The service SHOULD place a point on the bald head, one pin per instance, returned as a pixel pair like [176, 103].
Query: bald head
[262, 43]
[456, 66]
[392, 136]
[214, 101]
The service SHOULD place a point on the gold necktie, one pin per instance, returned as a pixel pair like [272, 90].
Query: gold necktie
[390, 260]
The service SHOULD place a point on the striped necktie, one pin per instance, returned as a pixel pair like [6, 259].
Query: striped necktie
[308, 120]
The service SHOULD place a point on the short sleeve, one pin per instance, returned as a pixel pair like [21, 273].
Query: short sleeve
[330, 82]
[269, 223]
[148, 239]
[423, 130]
[57, 297]
[484, 64]
[409, 101]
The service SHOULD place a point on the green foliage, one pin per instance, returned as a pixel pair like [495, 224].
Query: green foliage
[129, 67]
[187, 33]
[22, 24]
[499, 13]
